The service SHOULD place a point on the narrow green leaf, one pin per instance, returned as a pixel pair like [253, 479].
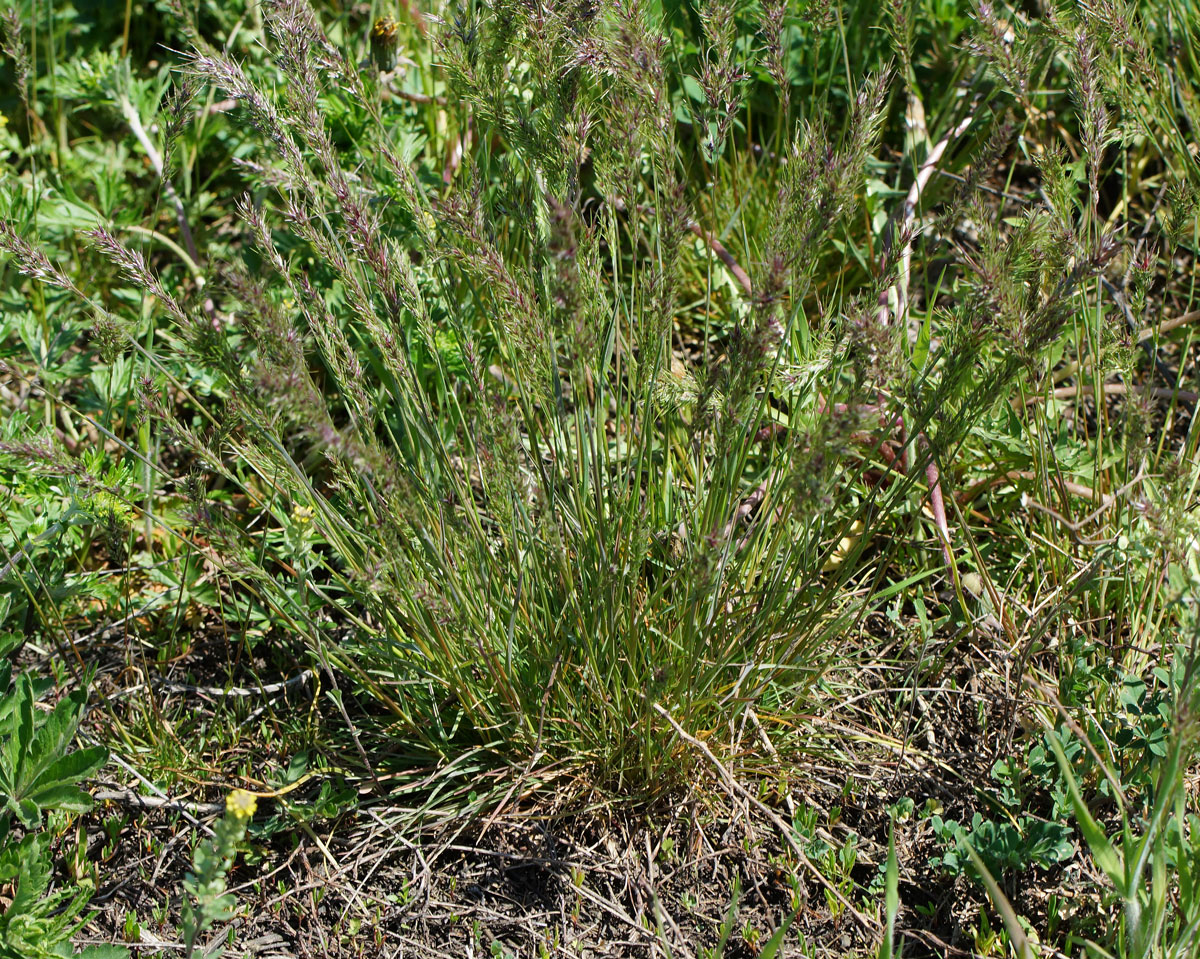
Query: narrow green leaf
[735, 896]
[1016, 932]
[891, 896]
[773, 944]
[1107, 858]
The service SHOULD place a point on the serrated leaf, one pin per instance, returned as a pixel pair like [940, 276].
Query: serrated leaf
[18, 745]
[28, 812]
[53, 737]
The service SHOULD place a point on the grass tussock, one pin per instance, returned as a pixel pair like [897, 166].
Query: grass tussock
[608, 403]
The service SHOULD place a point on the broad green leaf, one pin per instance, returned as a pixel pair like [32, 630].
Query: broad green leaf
[68, 798]
[53, 738]
[27, 811]
[74, 766]
[103, 952]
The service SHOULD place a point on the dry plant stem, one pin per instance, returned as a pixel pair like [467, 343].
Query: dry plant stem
[900, 289]
[1166, 326]
[1069, 486]
[723, 255]
[929, 939]
[420, 98]
[148, 784]
[238, 691]
[127, 797]
[785, 831]
[910, 212]
[905, 227]
[1076, 528]
[461, 144]
[614, 910]
[336, 868]
[135, 124]
[337, 698]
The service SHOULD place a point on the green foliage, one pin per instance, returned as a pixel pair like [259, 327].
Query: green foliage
[891, 905]
[39, 772]
[528, 563]
[1152, 861]
[38, 923]
[1004, 847]
[750, 937]
[206, 901]
[540, 367]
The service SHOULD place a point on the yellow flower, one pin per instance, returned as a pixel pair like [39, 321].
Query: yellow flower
[302, 515]
[384, 42]
[240, 804]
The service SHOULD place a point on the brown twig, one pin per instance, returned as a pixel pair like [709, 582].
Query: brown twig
[723, 255]
[1167, 325]
[236, 691]
[421, 98]
[127, 797]
[1069, 486]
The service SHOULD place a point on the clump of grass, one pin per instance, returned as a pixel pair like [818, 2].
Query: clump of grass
[554, 527]
[571, 381]
[530, 513]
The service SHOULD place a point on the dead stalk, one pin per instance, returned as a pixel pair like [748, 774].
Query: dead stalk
[737, 790]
